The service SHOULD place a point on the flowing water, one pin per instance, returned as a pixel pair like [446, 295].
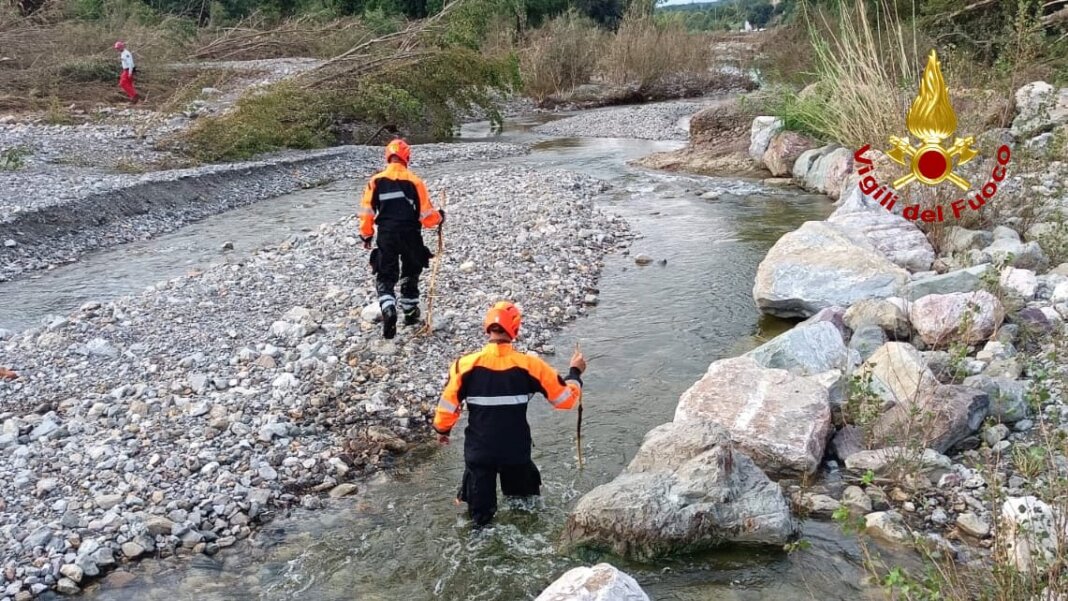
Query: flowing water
[655, 332]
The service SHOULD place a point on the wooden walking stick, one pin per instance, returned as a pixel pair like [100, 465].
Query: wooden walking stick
[578, 425]
[431, 291]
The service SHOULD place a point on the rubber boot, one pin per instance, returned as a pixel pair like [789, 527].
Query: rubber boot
[411, 317]
[389, 322]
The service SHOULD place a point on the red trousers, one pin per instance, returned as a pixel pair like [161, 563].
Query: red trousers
[127, 85]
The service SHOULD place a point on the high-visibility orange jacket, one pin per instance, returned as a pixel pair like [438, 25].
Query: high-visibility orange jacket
[497, 383]
[396, 200]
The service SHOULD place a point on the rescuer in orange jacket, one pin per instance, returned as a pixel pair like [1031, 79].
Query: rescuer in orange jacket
[496, 383]
[397, 202]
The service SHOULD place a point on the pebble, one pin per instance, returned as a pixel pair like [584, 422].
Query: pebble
[643, 259]
[972, 525]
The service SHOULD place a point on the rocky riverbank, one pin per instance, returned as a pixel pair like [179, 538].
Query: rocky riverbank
[662, 121]
[926, 386]
[175, 421]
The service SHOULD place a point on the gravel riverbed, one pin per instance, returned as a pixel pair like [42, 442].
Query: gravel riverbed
[660, 121]
[174, 421]
[70, 213]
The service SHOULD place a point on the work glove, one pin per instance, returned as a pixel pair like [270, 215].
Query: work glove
[366, 242]
[442, 213]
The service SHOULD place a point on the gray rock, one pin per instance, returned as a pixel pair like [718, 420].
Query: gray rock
[38, 538]
[995, 434]
[897, 238]
[98, 347]
[66, 586]
[1029, 528]
[819, 266]
[1040, 108]
[602, 582]
[805, 350]
[132, 550]
[972, 525]
[106, 502]
[819, 506]
[885, 314]
[685, 490]
[158, 525]
[867, 340]
[961, 280]
[1017, 254]
[847, 441]
[957, 239]
[761, 133]
[856, 500]
[780, 419]
[899, 373]
[72, 571]
[887, 526]
[885, 460]
[937, 419]
[1008, 398]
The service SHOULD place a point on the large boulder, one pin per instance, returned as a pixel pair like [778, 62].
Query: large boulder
[819, 266]
[778, 418]
[602, 582]
[899, 373]
[687, 489]
[764, 129]
[830, 172]
[961, 280]
[783, 151]
[896, 237]
[937, 419]
[1041, 107]
[806, 350]
[877, 312]
[804, 163]
[942, 319]
[1008, 398]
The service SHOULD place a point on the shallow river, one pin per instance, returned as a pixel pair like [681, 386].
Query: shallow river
[654, 333]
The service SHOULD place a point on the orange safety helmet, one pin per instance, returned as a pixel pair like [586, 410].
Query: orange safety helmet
[400, 149]
[506, 315]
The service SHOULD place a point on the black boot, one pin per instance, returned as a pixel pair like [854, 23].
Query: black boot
[411, 317]
[389, 322]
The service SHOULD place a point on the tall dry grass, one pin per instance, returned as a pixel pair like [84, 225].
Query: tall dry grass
[867, 65]
[645, 51]
[561, 56]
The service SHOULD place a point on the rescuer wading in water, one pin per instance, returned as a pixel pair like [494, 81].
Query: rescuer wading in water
[497, 383]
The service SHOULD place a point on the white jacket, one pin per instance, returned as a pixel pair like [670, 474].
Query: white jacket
[127, 61]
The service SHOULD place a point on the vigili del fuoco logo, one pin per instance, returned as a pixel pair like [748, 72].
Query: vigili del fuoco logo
[931, 119]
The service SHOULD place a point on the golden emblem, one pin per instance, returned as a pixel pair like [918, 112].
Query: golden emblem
[931, 119]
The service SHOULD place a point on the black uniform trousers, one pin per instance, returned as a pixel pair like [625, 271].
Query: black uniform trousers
[400, 256]
[479, 486]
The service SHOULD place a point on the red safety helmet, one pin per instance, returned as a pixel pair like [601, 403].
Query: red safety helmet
[506, 315]
[120, 45]
[400, 149]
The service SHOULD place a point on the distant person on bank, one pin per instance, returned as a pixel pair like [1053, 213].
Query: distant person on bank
[126, 79]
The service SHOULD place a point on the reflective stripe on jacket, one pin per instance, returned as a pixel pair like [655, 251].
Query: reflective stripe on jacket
[396, 200]
[496, 383]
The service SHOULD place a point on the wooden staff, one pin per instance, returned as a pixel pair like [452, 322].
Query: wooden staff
[431, 291]
[578, 425]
